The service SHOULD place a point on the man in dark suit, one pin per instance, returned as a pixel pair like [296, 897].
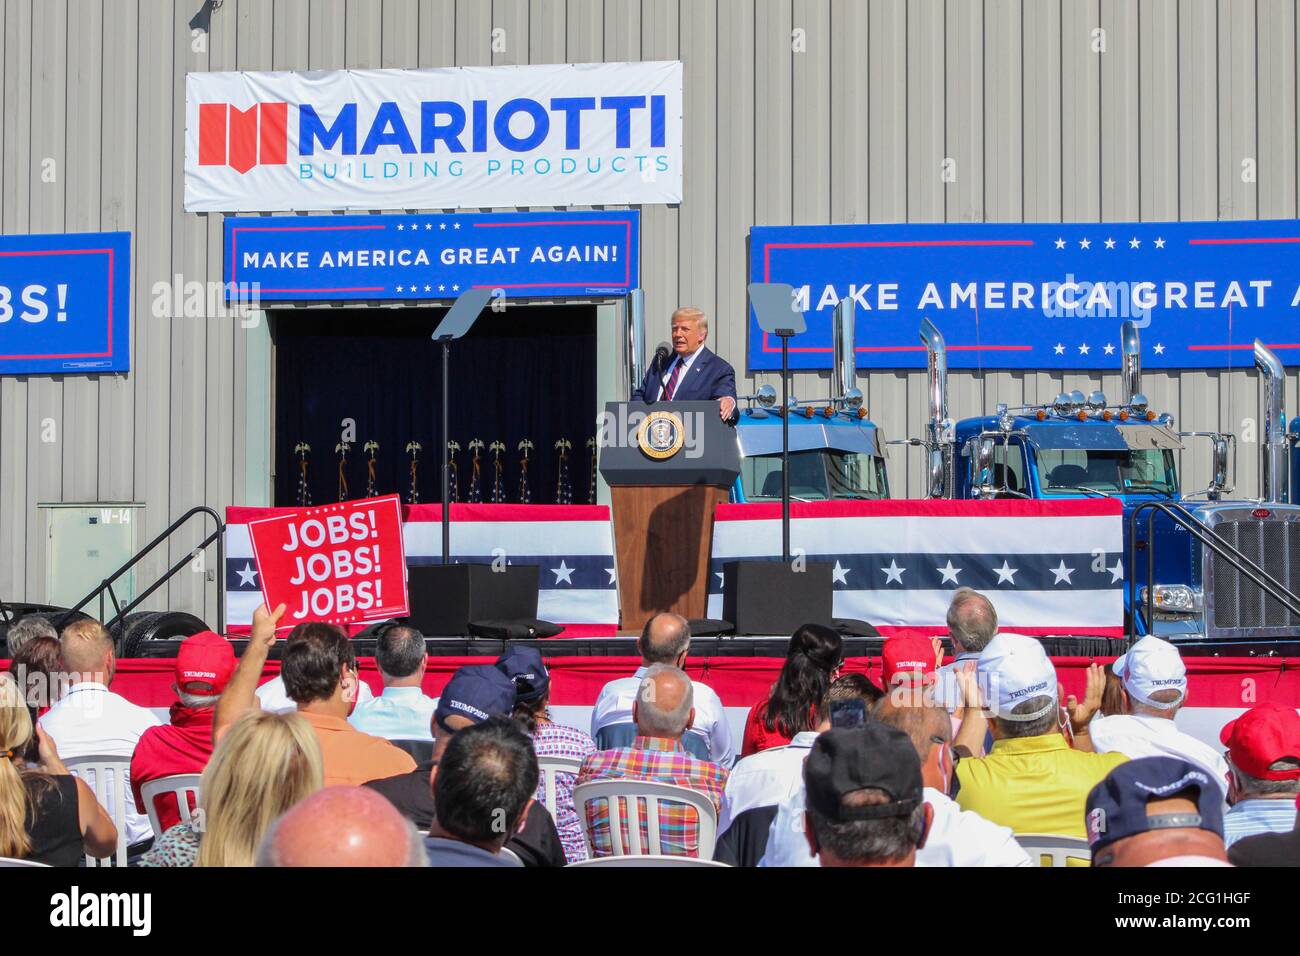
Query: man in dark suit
[692, 373]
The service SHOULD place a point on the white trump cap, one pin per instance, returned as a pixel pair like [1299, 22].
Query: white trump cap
[1149, 666]
[1013, 669]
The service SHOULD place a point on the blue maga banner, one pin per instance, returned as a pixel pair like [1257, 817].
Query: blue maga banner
[65, 303]
[432, 257]
[1043, 296]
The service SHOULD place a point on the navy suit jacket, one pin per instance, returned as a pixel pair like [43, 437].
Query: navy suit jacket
[710, 376]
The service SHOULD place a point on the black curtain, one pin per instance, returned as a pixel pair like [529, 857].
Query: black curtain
[528, 372]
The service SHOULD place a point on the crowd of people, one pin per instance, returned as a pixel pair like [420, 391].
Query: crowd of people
[982, 761]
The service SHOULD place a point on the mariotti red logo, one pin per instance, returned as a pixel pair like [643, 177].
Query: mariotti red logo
[242, 139]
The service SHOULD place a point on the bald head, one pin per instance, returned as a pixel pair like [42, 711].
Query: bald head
[665, 638]
[342, 826]
[921, 722]
[665, 702]
[88, 650]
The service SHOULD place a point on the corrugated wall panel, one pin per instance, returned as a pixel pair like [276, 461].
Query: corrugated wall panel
[795, 111]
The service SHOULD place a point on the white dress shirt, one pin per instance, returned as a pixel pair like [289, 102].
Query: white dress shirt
[399, 713]
[956, 837]
[614, 706]
[765, 779]
[685, 363]
[276, 699]
[1137, 735]
[91, 719]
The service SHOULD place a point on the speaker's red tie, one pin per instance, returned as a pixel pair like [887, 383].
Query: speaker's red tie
[671, 388]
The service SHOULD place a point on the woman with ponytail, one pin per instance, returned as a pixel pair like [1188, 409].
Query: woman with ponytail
[812, 660]
[46, 814]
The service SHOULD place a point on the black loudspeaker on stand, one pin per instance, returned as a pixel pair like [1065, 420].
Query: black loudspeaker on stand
[445, 600]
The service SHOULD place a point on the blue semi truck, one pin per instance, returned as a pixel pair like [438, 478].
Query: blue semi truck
[1206, 556]
[836, 451]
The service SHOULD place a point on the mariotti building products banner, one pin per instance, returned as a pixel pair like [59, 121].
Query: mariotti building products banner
[1041, 296]
[562, 135]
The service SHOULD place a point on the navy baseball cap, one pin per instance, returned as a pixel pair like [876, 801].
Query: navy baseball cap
[476, 691]
[847, 759]
[524, 666]
[1117, 807]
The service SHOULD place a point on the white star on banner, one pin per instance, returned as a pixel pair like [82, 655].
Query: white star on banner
[1083, 349]
[399, 288]
[721, 580]
[1060, 349]
[401, 226]
[840, 574]
[1110, 243]
[949, 573]
[1006, 573]
[442, 226]
[1109, 349]
[441, 287]
[1062, 573]
[1060, 243]
[247, 576]
[1085, 243]
[610, 572]
[1117, 572]
[563, 573]
[455, 288]
[893, 573]
[1160, 242]
[1134, 242]
[428, 226]
[428, 288]
[1159, 349]
[455, 225]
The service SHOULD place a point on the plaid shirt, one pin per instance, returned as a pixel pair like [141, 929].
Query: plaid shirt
[555, 740]
[660, 760]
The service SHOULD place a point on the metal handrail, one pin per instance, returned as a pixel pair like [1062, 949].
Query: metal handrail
[106, 586]
[1208, 538]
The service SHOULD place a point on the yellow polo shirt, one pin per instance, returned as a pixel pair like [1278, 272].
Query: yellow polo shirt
[1034, 784]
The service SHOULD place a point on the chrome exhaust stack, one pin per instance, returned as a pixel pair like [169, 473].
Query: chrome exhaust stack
[1273, 453]
[939, 438]
[634, 339]
[1131, 358]
[844, 383]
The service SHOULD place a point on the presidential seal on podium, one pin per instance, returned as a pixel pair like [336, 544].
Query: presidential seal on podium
[661, 435]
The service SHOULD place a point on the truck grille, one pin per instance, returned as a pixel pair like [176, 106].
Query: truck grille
[1238, 603]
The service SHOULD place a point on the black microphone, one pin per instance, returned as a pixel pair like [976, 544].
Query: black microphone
[661, 355]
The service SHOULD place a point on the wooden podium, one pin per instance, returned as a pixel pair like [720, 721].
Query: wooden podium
[668, 466]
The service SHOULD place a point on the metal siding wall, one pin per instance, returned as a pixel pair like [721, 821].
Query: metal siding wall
[850, 120]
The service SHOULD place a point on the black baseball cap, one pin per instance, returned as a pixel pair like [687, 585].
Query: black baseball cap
[846, 759]
[476, 691]
[1117, 807]
[524, 666]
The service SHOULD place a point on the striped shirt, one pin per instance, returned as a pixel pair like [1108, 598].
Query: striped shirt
[660, 760]
[555, 740]
[1257, 815]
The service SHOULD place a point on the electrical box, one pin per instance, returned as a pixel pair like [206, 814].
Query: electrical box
[85, 543]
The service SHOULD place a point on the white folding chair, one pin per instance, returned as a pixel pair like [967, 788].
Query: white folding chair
[648, 860]
[8, 861]
[106, 775]
[625, 797]
[510, 854]
[181, 785]
[1052, 849]
[547, 768]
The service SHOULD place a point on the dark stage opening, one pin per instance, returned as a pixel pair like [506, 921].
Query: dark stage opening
[526, 373]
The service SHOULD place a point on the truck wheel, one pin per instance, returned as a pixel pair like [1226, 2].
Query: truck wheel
[135, 630]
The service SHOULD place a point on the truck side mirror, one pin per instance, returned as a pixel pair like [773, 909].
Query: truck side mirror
[1219, 468]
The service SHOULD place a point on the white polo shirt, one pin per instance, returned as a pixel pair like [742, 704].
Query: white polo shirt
[765, 779]
[614, 706]
[1137, 735]
[957, 837]
[91, 719]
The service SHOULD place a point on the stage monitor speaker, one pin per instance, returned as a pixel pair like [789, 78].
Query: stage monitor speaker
[445, 599]
[771, 597]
